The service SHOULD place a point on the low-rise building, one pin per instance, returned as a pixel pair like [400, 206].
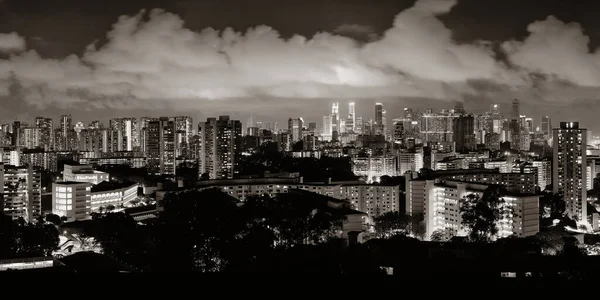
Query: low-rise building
[112, 193]
[373, 200]
[72, 200]
[84, 173]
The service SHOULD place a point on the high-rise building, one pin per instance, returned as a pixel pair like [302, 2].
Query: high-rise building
[495, 110]
[46, 138]
[569, 168]
[160, 146]
[295, 129]
[464, 137]
[219, 147]
[127, 133]
[546, 126]
[515, 128]
[335, 117]
[378, 124]
[327, 131]
[351, 122]
[66, 133]
[22, 191]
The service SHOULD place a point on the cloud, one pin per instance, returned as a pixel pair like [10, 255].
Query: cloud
[558, 49]
[11, 42]
[152, 60]
[357, 31]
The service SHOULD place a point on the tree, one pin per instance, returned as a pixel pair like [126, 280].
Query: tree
[440, 236]
[552, 206]
[392, 223]
[480, 215]
[417, 225]
[54, 219]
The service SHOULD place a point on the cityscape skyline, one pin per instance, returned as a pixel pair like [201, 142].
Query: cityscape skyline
[83, 75]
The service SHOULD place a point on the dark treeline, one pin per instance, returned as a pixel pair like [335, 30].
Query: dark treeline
[209, 231]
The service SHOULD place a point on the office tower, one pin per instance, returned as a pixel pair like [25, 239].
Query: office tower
[219, 147]
[459, 108]
[295, 129]
[335, 117]
[351, 121]
[515, 128]
[22, 191]
[46, 138]
[327, 131]
[515, 112]
[250, 122]
[437, 127]
[378, 123]
[160, 146]
[495, 110]
[569, 168]
[464, 137]
[546, 126]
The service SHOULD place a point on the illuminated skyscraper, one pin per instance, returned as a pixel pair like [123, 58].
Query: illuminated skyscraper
[295, 129]
[351, 122]
[219, 147]
[161, 146]
[569, 168]
[379, 115]
[335, 117]
[46, 139]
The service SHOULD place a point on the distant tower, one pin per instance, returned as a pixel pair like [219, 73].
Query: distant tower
[378, 124]
[335, 117]
[351, 123]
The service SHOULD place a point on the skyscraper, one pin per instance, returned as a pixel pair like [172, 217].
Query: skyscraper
[569, 168]
[66, 132]
[295, 129]
[160, 146]
[46, 139]
[219, 147]
[351, 122]
[515, 128]
[327, 131]
[464, 137]
[546, 126]
[335, 117]
[378, 118]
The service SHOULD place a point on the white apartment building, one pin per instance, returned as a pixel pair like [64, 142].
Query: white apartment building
[441, 203]
[373, 168]
[22, 192]
[408, 161]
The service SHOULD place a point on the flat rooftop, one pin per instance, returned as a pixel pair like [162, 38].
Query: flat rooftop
[111, 185]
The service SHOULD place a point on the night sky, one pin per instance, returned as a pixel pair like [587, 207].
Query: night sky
[101, 59]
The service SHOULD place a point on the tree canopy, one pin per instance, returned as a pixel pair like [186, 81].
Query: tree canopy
[481, 214]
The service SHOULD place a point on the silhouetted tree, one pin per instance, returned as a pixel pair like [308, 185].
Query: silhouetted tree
[54, 219]
[480, 215]
[392, 223]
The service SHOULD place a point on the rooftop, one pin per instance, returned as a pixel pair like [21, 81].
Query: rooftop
[112, 185]
[71, 182]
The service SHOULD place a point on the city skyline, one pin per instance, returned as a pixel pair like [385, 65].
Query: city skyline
[357, 63]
